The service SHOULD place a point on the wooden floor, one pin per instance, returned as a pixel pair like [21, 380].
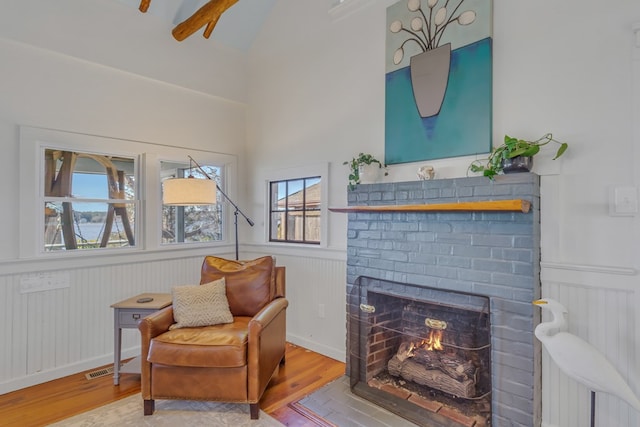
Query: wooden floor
[304, 372]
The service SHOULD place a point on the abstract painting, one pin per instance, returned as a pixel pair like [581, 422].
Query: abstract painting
[438, 99]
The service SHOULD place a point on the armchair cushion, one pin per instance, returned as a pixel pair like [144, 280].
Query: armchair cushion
[216, 346]
[250, 284]
[202, 305]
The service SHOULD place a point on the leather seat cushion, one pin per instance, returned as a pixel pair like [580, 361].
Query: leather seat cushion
[217, 346]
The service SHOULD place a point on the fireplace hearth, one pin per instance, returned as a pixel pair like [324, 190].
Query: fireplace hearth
[490, 257]
[423, 353]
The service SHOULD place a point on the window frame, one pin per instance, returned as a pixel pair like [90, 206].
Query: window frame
[286, 211]
[148, 225]
[220, 202]
[290, 174]
[44, 198]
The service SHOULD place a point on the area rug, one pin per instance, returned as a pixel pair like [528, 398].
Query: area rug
[128, 412]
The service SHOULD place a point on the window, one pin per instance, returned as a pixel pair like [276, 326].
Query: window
[88, 195]
[295, 210]
[191, 224]
[89, 200]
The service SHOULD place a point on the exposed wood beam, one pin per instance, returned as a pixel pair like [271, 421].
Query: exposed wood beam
[208, 15]
[144, 6]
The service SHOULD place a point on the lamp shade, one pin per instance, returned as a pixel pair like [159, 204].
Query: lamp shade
[188, 191]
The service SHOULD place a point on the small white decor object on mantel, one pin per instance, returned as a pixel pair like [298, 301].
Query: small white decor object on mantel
[579, 359]
[426, 172]
[370, 174]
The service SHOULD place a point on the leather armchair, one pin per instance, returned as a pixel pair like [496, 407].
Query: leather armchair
[231, 362]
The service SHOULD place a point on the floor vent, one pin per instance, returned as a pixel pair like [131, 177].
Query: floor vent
[99, 373]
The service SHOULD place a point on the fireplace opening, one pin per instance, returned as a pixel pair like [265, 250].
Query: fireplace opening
[423, 353]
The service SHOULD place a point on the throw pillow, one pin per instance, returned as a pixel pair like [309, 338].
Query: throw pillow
[250, 284]
[200, 305]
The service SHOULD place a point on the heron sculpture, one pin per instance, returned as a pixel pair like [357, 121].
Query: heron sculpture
[579, 359]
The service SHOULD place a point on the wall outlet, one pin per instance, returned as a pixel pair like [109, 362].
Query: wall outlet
[44, 282]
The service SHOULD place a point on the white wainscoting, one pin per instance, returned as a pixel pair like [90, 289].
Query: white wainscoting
[603, 309]
[53, 333]
[50, 334]
[316, 282]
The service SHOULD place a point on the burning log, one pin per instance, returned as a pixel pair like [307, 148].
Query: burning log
[448, 364]
[419, 373]
[435, 369]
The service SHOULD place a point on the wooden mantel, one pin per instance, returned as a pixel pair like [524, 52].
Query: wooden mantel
[515, 205]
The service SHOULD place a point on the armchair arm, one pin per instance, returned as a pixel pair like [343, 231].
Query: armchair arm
[150, 327]
[267, 338]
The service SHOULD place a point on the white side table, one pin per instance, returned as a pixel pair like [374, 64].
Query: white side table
[127, 314]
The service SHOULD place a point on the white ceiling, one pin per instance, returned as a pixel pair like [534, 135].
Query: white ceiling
[237, 27]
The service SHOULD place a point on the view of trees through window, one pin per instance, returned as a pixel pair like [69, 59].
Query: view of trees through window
[89, 200]
[295, 210]
[191, 224]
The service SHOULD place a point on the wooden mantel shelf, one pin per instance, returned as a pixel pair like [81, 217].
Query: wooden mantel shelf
[515, 205]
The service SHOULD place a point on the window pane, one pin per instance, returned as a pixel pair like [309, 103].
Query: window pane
[312, 226]
[295, 210]
[313, 192]
[277, 226]
[88, 225]
[191, 224]
[278, 195]
[295, 194]
[89, 200]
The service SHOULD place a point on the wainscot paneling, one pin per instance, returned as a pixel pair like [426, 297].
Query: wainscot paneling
[52, 333]
[602, 304]
[316, 279]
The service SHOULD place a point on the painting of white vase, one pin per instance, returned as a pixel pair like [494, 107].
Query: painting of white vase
[438, 83]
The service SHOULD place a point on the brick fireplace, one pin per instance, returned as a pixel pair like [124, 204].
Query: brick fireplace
[445, 259]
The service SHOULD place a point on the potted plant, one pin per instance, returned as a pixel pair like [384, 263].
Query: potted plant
[515, 155]
[357, 165]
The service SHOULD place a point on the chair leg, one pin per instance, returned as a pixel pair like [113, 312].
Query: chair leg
[149, 406]
[254, 409]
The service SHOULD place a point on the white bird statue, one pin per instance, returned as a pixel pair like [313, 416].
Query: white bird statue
[579, 359]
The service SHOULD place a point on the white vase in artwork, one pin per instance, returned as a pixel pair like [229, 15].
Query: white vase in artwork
[429, 79]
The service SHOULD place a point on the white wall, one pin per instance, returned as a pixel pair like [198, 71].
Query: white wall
[92, 87]
[313, 86]
[316, 93]
[98, 68]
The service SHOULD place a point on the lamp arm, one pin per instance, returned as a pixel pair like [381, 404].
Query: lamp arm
[251, 223]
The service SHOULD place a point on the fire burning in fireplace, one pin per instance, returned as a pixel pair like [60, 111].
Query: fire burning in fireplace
[433, 355]
[432, 343]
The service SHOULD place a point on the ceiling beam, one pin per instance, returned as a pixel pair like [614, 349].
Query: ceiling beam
[208, 15]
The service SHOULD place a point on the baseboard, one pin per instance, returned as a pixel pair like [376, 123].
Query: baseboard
[63, 371]
[334, 353]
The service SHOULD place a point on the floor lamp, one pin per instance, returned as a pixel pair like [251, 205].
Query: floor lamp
[191, 191]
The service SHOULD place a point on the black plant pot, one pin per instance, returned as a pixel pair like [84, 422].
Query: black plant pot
[517, 164]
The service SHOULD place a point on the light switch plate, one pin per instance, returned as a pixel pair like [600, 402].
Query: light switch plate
[623, 201]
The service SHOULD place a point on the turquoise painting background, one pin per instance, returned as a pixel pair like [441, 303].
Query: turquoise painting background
[463, 126]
